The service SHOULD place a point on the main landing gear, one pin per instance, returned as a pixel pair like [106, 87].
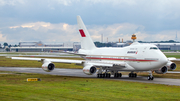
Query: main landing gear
[117, 75]
[108, 75]
[132, 74]
[104, 75]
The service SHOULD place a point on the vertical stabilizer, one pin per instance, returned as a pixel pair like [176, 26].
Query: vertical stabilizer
[86, 41]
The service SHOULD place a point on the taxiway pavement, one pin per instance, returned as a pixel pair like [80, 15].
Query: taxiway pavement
[79, 73]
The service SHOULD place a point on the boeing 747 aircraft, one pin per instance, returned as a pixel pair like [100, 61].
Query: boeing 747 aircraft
[111, 61]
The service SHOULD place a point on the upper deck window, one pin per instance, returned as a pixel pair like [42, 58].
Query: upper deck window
[155, 48]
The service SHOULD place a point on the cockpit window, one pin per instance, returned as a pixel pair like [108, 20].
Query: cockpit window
[155, 48]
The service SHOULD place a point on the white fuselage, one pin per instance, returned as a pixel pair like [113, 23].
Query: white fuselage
[138, 57]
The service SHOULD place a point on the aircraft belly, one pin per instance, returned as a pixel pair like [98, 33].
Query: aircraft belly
[145, 65]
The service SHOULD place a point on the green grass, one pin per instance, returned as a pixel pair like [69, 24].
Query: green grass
[13, 87]
[176, 55]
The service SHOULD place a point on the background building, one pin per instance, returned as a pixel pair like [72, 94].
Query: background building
[40, 47]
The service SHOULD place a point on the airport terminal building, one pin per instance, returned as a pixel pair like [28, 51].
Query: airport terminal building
[40, 47]
[168, 46]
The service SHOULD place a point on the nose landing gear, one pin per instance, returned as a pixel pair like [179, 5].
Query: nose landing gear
[150, 77]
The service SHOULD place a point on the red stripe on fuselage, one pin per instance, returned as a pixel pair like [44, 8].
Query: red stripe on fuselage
[82, 33]
[121, 59]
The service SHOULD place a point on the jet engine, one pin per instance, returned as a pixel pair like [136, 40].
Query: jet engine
[48, 66]
[89, 70]
[162, 70]
[171, 66]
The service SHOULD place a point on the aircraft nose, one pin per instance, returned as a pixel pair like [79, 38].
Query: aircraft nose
[164, 59]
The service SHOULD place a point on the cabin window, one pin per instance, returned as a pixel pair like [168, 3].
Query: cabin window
[155, 48]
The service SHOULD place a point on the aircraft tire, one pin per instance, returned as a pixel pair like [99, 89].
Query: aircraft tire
[130, 75]
[97, 75]
[103, 75]
[120, 75]
[100, 75]
[115, 75]
[150, 78]
[108, 75]
[135, 75]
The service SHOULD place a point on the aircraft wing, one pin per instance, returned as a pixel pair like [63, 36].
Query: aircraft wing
[94, 63]
[50, 60]
[173, 59]
[73, 53]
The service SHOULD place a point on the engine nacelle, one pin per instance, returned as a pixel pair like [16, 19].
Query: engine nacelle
[48, 66]
[171, 66]
[89, 70]
[162, 70]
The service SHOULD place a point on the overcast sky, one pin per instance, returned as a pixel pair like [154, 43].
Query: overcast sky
[54, 21]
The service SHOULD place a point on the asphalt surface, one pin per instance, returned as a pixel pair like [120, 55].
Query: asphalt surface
[79, 73]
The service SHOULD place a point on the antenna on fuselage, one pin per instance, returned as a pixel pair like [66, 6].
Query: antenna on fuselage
[133, 37]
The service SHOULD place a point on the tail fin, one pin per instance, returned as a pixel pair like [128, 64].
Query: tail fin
[86, 41]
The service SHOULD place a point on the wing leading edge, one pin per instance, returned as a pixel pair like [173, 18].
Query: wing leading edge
[94, 63]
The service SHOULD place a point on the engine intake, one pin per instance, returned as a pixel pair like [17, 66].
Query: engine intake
[48, 67]
[162, 70]
[171, 65]
[89, 70]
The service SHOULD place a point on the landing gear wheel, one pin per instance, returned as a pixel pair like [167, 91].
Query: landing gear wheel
[120, 75]
[135, 75]
[98, 76]
[116, 75]
[150, 77]
[108, 75]
[104, 75]
[132, 75]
